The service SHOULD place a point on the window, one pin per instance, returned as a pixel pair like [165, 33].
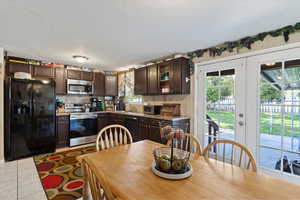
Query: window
[126, 87]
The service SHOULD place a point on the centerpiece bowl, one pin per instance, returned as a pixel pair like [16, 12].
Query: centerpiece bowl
[171, 163]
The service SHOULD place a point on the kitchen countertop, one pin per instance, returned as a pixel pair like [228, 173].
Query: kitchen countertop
[136, 114]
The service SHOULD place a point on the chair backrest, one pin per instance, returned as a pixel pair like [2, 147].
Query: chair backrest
[96, 180]
[236, 154]
[111, 136]
[189, 143]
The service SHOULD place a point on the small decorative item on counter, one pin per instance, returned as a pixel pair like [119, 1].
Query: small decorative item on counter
[60, 106]
[170, 110]
[170, 162]
[165, 76]
[165, 90]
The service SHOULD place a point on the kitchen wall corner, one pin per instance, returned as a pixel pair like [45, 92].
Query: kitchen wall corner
[1, 104]
[186, 103]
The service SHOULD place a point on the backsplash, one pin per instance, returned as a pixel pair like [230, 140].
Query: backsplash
[185, 107]
[78, 99]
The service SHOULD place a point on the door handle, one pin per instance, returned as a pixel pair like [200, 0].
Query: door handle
[241, 123]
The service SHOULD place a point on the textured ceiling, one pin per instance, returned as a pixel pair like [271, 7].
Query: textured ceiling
[116, 33]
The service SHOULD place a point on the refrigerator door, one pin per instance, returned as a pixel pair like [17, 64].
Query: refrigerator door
[20, 119]
[43, 117]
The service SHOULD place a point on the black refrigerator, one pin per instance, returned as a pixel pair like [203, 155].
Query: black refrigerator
[29, 118]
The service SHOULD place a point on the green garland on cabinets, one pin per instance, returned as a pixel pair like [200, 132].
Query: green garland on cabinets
[245, 42]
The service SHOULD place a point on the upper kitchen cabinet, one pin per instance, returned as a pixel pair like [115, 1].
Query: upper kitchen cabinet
[13, 67]
[111, 85]
[80, 75]
[164, 77]
[169, 77]
[152, 80]
[87, 76]
[99, 84]
[140, 81]
[174, 76]
[43, 71]
[74, 74]
[60, 79]
[185, 76]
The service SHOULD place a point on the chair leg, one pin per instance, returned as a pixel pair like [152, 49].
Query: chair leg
[84, 189]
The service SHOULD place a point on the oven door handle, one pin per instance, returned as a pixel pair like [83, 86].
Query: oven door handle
[74, 118]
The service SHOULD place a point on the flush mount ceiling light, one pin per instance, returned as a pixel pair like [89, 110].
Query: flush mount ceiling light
[80, 59]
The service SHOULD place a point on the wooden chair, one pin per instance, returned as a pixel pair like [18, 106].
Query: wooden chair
[111, 136]
[96, 181]
[189, 143]
[245, 157]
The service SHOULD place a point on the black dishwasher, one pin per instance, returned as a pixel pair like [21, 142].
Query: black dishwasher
[131, 123]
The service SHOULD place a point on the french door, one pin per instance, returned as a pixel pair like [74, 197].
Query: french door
[277, 113]
[222, 101]
[254, 100]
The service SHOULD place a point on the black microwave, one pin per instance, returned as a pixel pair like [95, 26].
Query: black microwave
[152, 109]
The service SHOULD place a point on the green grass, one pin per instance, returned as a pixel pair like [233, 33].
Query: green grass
[227, 121]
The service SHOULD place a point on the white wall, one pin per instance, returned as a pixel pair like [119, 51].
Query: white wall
[1, 104]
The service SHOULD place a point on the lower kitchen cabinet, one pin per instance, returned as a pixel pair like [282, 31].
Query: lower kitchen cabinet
[62, 131]
[131, 123]
[113, 118]
[150, 128]
[141, 128]
[101, 121]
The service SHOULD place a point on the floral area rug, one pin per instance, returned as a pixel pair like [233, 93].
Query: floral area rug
[60, 173]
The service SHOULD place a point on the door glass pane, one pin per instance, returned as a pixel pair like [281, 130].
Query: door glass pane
[220, 101]
[280, 115]
[270, 157]
[292, 163]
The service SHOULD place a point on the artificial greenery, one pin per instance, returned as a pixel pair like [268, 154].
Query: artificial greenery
[246, 42]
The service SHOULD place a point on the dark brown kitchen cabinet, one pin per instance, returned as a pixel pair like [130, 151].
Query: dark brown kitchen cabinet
[169, 77]
[113, 118]
[17, 67]
[140, 81]
[155, 126]
[62, 131]
[74, 74]
[180, 76]
[87, 76]
[152, 73]
[99, 84]
[131, 123]
[143, 127]
[185, 76]
[154, 133]
[175, 77]
[60, 80]
[150, 129]
[80, 75]
[43, 71]
[101, 121]
[111, 85]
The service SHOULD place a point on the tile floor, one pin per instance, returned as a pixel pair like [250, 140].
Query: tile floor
[19, 180]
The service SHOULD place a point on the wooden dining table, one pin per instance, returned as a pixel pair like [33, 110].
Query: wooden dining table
[129, 174]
